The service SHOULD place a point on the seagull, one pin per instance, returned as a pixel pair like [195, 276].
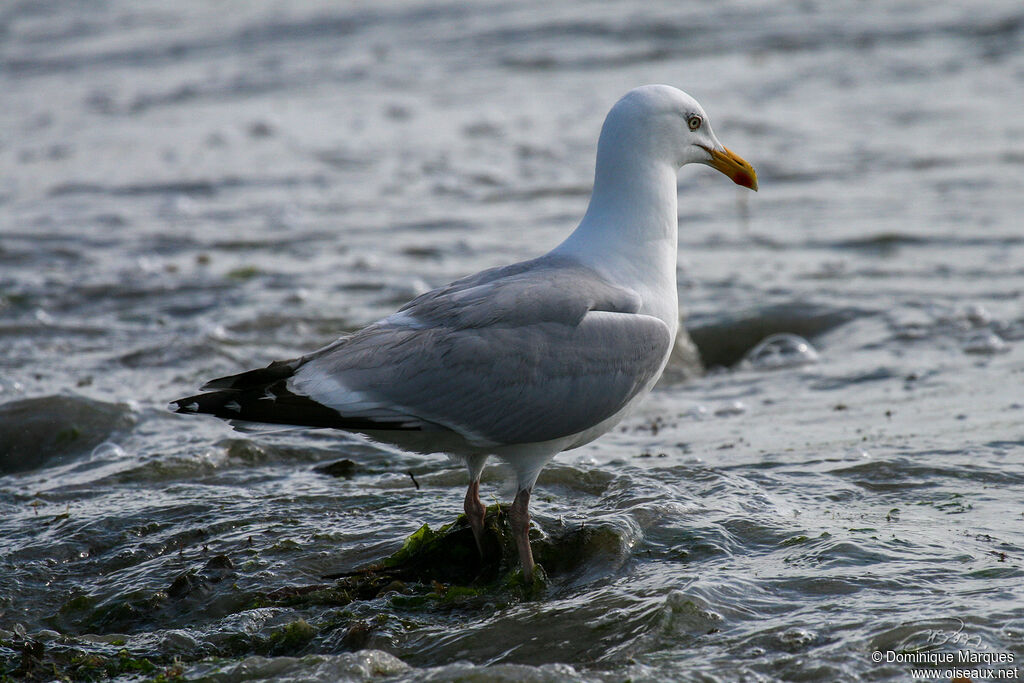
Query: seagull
[523, 361]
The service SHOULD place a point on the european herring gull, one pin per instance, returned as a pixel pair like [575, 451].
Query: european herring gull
[521, 361]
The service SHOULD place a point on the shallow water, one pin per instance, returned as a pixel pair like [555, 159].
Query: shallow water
[191, 189]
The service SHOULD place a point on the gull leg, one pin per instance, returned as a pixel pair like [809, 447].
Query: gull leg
[519, 519]
[474, 507]
[475, 512]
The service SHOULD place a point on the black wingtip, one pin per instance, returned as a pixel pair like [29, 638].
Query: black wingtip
[275, 404]
[263, 396]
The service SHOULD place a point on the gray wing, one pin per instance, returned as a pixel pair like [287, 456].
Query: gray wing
[530, 352]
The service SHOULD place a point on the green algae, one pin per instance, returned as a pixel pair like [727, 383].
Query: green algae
[290, 638]
[434, 572]
[443, 568]
[46, 661]
[243, 273]
[448, 562]
[450, 554]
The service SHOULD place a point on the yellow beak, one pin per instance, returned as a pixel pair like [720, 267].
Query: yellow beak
[735, 167]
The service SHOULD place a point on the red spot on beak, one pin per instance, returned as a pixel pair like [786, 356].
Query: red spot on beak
[743, 178]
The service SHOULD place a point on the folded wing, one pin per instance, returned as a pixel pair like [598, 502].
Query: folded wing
[530, 352]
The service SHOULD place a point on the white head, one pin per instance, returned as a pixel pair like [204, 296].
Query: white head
[663, 124]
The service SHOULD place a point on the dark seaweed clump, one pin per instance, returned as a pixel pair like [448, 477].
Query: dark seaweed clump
[433, 572]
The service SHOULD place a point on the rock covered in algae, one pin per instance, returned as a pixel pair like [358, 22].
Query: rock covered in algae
[448, 562]
[433, 570]
[443, 568]
[449, 555]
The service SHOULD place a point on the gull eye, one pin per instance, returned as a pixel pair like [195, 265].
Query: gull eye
[694, 122]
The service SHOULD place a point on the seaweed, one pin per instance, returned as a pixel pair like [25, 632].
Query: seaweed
[434, 571]
[48, 661]
[443, 568]
[450, 555]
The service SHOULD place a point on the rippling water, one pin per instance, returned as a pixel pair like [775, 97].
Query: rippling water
[191, 189]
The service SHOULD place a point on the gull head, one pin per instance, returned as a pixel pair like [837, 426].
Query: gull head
[665, 124]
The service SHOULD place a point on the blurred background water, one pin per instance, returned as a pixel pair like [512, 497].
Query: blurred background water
[191, 189]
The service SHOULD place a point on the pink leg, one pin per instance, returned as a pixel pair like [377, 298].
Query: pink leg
[519, 519]
[475, 512]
